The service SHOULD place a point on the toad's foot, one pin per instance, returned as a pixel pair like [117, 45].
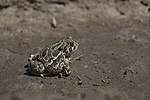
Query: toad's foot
[66, 72]
[42, 75]
[60, 75]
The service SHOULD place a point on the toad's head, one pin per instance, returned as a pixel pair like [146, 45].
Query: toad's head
[35, 67]
[69, 46]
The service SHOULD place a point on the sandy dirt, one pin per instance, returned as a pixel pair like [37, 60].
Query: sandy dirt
[114, 39]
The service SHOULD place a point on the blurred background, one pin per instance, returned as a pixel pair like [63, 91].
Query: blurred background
[113, 36]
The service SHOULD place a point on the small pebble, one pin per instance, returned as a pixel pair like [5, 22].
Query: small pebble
[80, 83]
[85, 66]
[42, 82]
[54, 23]
[95, 84]
[103, 81]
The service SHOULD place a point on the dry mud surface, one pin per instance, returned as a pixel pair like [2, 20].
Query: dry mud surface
[114, 38]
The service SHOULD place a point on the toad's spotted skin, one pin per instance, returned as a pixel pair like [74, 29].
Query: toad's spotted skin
[53, 60]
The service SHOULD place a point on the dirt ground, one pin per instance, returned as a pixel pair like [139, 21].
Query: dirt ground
[114, 39]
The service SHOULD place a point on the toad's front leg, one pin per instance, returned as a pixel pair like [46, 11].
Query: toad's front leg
[66, 71]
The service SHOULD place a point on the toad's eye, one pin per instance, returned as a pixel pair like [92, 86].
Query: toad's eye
[73, 48]
[71, 44]
[40, 66]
